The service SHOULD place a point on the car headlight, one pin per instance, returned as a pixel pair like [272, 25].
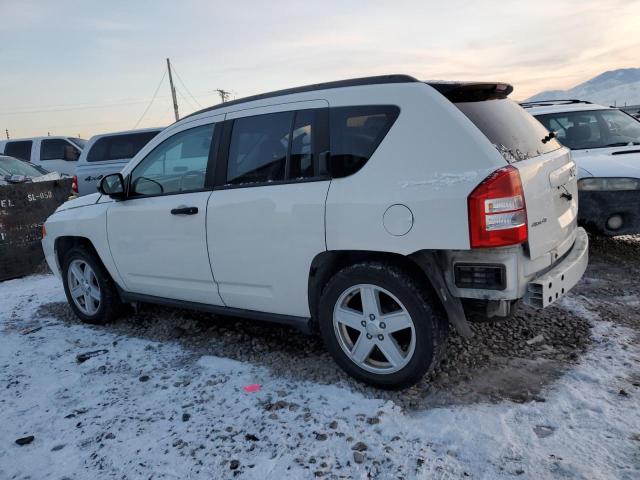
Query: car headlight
[596, 184]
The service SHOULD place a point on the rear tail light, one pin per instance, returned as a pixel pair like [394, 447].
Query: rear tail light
[497, 212]
[74, 184]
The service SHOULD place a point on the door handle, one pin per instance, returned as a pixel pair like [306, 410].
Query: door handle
[184, 211]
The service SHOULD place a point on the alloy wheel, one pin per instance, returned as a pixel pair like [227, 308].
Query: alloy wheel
[374, 329]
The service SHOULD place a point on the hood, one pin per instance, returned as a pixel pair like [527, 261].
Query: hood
[80, 202]
[608, 162]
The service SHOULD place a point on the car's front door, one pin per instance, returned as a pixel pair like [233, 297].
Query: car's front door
[58, 155]
[157, 235]
[265, 219]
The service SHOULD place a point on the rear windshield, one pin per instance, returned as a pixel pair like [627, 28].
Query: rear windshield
[118, 147]
[515, 133]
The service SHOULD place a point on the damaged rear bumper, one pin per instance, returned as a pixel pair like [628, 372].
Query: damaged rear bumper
[552, 285]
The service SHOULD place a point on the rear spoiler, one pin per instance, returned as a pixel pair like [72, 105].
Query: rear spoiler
[472, 91]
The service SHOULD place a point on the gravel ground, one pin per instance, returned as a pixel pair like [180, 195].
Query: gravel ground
[513, 359]
[163, 397]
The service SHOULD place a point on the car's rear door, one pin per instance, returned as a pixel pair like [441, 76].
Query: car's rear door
[157, 236]
[265, 219]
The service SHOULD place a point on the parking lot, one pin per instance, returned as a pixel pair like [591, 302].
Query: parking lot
[161, 393]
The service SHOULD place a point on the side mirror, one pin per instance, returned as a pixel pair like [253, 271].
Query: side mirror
[113, 186]
[71, 153]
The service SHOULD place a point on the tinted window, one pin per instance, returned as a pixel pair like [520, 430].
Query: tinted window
[355, 134]
[515, 133]
[258, 148]
[54, 149]
[301, 157]
[119, 147]
[20, 149]
[178, 164]
[593, 129]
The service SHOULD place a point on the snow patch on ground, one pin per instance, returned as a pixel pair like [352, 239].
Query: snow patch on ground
[147, 409]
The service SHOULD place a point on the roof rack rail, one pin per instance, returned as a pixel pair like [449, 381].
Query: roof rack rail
[351, 82]
[546, 103]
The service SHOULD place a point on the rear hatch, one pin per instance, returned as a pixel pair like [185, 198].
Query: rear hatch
[546, 169]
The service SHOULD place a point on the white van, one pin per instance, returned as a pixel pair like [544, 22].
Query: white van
[378, 210]
[109, 153]
[55, 154]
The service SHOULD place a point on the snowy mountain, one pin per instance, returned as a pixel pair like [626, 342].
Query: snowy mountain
[617, 87]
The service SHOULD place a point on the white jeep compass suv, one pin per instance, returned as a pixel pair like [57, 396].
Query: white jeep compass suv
[379, 210]
[605, 144]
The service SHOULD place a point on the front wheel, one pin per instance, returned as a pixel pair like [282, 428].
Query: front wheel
[90, 291]
[381, 325]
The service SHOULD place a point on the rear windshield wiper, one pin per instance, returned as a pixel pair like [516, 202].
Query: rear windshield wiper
[549, 137]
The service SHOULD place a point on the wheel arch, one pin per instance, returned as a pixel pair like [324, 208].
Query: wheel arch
[422, 266]
[63, 244]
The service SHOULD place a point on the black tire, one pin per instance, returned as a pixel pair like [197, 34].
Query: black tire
[110, 306]
[430, 323]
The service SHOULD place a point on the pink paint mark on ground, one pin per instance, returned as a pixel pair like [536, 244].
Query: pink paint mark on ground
[254, 387]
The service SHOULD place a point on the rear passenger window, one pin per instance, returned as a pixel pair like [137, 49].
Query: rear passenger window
[119, 147]
[258, 148]
[21, 150]
[57, 149]
[355, 134]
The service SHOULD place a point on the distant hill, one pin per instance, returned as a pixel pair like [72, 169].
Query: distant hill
[617, 87]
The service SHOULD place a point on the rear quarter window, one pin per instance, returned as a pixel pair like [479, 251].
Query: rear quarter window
[515, 133]
[119, 147]
[355, 133]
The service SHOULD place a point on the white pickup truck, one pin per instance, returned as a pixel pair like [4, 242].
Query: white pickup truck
[55, 154]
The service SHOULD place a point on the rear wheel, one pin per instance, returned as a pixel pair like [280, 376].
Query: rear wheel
[89, 289]
[381, 326]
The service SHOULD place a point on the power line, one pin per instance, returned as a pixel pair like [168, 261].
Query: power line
[183, 97]
[164, 74]
[185, 87]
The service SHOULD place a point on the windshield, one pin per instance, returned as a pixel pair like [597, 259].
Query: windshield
[81, 142]
[13, 166]
[514, 132]
[593, 128]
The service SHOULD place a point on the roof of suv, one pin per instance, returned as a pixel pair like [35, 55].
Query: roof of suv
[540, 107]
[455, 91]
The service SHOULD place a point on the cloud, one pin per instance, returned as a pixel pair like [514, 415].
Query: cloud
[68, 52]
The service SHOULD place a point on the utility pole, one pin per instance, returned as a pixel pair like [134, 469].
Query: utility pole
[224, 94]
[173, 92]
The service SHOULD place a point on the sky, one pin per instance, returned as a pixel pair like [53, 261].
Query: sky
[86, 67]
